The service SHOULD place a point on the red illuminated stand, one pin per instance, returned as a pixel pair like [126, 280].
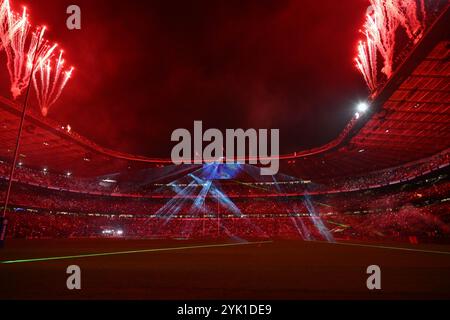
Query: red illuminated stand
[3, 225]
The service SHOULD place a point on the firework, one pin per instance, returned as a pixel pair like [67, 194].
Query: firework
[366, 63]
[383, 20]
[407, 13]
[8, 25]
[4, 23]
[25, 48]
[49, 81]
[31, 58]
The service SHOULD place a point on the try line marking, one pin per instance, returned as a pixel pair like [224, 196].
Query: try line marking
[386, 247]
[133, 252]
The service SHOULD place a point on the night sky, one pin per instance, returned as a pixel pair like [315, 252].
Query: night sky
[146, 68]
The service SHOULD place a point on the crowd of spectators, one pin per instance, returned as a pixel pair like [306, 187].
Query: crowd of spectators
[45, 179]
[392, 175]
[49, 180]
[418, 209]
[426, 223]
[358, 201]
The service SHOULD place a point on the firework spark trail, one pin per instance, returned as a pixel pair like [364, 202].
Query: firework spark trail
[22, 53]
[5, 22]
[9, 24]
[15, 51]
[367, 62]
[49, 81]
[383, 20]
[5, 12]
[406, 11]
[382, 28]
[24, 49]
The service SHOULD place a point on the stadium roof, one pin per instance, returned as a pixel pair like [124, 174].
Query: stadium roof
[408, 120]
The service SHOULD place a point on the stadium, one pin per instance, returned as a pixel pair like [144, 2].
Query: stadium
[145, 228]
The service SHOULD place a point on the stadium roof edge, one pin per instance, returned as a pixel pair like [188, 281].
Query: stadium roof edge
[438, 30]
